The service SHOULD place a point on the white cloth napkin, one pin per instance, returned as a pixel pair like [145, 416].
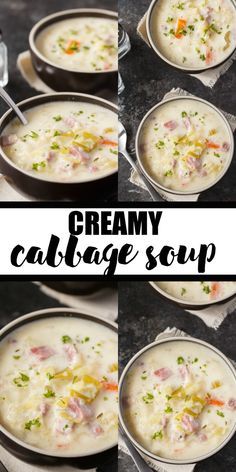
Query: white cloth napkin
[156, 465]
[214, 315]
[210, 76]
[103, 303]
[171, 197]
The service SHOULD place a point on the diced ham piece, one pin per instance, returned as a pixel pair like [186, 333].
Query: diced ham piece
[190, 424]
[187, 123]
[71, 352]
[8, 140]
[63, 426]
[164, 422]
[70, 121]
[193, 163]
[163, 373]
[78, 410]
[51, 155]
[226, 147]
[42, 352]
[93, 168]
[171, 125]
[107, 66]
[96, 429]
[184, 373]
[232, 403]
[79, 154]
[202, 436]
[44, 408]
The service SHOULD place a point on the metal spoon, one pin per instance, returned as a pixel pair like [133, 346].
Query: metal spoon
[14, 107]
[137, 458]
[2, 467]
[122, 149]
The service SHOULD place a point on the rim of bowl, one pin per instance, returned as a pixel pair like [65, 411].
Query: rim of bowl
[56, 16]
[173, 64]
[185, 192]
[189, 302]
[122, 379]
[31, 317]
[36, 98]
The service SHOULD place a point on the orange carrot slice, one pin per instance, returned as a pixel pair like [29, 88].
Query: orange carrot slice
[112, 387]
[214, 402]
[211, 145]
[180, 26]
[209, 57]
[72, 47]
[108, 142]
[215, 288]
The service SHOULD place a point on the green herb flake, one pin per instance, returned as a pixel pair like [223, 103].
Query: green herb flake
[183, 291]
[55, 145]
[148, 398]
[169, 409]
[157, 435]
[220, 413]
[49, 393]
[57, 118]
[35, 422]
[160, 144]
[66, 339]
[184, 114]
[37, 165]
[33, 135]
[180, 360]
[168, 173]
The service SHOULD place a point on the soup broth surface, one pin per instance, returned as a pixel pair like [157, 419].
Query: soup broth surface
[58, 385]
[81, 44]
[64, 141]
[179, 400]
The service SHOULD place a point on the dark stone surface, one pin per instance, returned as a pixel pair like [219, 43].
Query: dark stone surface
[19, 298]
[147, 78]
[142, 315]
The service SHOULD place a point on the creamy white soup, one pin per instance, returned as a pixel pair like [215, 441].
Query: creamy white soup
[82, 44]
[58, 385]
[64, 141]
[185, 145]
[194, 33]
[179, 400]
[198, 292]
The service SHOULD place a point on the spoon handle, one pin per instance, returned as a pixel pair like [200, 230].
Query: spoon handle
[154, 194]
[10, 102]
[2, 467]
[137, 458]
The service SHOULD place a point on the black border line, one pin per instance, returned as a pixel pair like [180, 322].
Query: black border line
[127, 205]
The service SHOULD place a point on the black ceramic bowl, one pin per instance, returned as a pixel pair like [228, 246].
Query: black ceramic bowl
[190, 305]
[33, 187]
[154, 45]
[80, 288]
[32, 454]
[62, 79]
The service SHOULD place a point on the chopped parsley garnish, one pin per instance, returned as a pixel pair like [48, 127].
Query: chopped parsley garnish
[49, 376]
[180, 360]
[85, 340]
[160, 144]
[57, 133]
[57, 118]
[202, 57]
[184, 59]
[220, 413]
[157, 435]
[176, 153]
[148, 398]
[66, 339]
[33, 135]
[216, 154]
[75, 379]
[22, 380]
[195, 360]
[34, 422]
[184, 114]
[183, 291]
[16, 357]
[168, 397]
[37, 165]
[169, 409]
[49, 393]
[114, 152]
[54, 145]
[206, 289]
[191, 27]
[169, 19]
[168, 173]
